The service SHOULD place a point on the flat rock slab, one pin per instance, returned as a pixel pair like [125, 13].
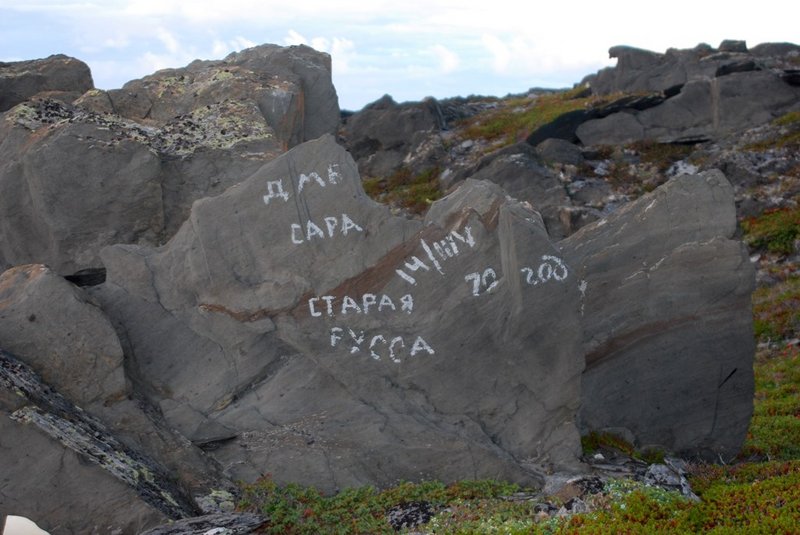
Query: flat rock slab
[294, 327]
[666, 314]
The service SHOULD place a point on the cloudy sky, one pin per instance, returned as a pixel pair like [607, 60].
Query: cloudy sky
[409, 49]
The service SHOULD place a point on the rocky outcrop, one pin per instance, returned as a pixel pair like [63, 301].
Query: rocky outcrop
[126, 165]
[385, 135]
[289, 86]
[666, 316]
[221, 523]
[66, 399]
[709, 93]
[342, 346]
[640, 70]
[704, 109]
[261, 314]
[59, 77]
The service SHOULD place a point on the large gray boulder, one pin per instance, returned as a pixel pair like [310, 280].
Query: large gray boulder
[666, 316]
[523, 175]
[81, 357]
[298, 328]
[68, 188]
[59, 76]
[290, 86]
[386, 136]
[72, 424]
[124, 166]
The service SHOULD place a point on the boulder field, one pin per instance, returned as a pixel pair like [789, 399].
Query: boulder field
[200, 292]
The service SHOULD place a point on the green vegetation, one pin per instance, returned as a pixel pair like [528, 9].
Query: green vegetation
[594, 442]
[514, 119]
[412, 192]
[774, 230]
[301, 510]
[775, 427]
[788, 136]
[776, 311]
[661, 155]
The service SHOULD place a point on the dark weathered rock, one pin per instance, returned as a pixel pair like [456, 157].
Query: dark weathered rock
[129, 478]
[265, 289]
[559, 151]
[125, 166]
[666, 316]
[566, 126]
[642, 70]
[385, 135]
[732, 45]
[68, 188]
[60, 490]
[409, 514]
[290, 86]
[524, 176]
[704, 109]
[80, 357]
[61, 77]
[221, 524]
[55, 329]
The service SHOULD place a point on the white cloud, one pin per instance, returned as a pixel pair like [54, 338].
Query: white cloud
[342, 51]
[501, 55]
[448, 60]
[168, 40]
[221, 48]
[294, 38]
[379, 46]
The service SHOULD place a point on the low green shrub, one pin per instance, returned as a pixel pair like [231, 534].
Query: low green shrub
[775, 230]
[776, 311]
[412, 192]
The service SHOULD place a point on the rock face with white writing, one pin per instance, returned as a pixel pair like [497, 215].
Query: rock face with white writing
[124, 166]
[294, 327]
[667, 323]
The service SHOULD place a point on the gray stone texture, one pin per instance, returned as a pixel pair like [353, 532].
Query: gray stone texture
[704, 109]
[666, 315]
[337, 397]
[124, 166]
[710, 92]
[60, 77]
[58, 331]
[385, 136]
